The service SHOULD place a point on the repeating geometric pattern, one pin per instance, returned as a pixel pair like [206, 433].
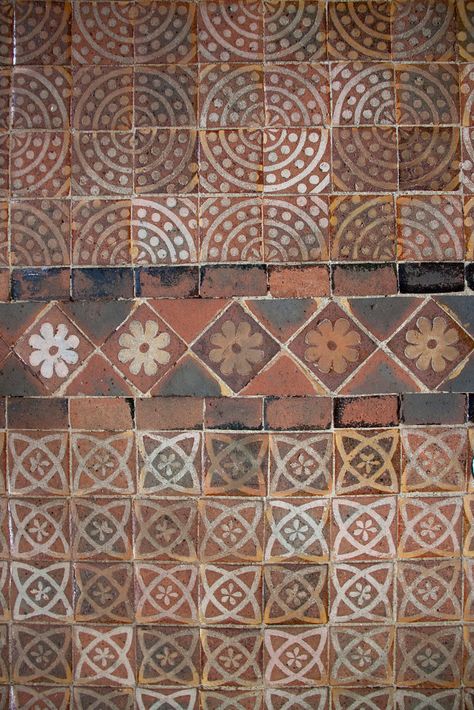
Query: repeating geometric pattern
[236, 347]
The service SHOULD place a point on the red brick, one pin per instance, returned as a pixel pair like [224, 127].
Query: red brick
[170, 413]
[224, 281]
[364, 280]
[233, 413]
[298, 413]
[104, 413]
[37, 412]
[366, 411]
[299, 281]
[168, 282]
[4, 284]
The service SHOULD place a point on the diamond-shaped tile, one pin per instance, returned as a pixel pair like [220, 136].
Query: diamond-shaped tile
[332, 346]
[53, 347]
[236, 347]
[431, 345]
[144, 348]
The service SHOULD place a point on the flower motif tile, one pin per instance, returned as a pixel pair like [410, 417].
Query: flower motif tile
[231, 657]
[168, 656]
[429, 527]
[101, 529]
[236, 347]
[361, 655]
[231, 531]
[362, 592]
[39, 531]
[429, 656]
[367, 462]
[429, 590]
[297, 531]
[42, 592]
[103, 655]
[235, 464]
[42, 653]
[38, 463]
[170, 463]
[295, 594]
[364, 528]
[165, 529]
[231, 595]
[332, 345]
[431, 345]
[103, 464]
[167, 593]
[143, 348]
[434, 459]
[300, 464]
[296, 657]
[103, 593]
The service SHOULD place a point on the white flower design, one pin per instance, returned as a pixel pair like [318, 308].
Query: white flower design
[363, 528]
[53, 350]
[144, 347]
[361, 593]
[296, 531]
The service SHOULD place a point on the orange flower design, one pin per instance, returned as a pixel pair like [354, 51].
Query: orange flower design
[332, 345]
[432, 344]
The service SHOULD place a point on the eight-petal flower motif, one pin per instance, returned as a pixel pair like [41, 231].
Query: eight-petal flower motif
[144, 347]
[432, 343]
[237, 348]
[332, 345]
[53, 350]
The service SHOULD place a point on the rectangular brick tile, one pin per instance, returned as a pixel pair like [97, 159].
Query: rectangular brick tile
[366, 411]
[297, 413]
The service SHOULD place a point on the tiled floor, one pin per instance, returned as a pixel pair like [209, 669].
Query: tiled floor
[236, 355]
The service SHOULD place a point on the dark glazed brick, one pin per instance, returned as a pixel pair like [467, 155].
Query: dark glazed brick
[167, 282]
[297, 413]
[105, 413]
[170, 413]
[366, 411]
[25, 413]
[470, 276]
[40, 284]
[470, 407]
[364, 279]
[235, 413]
[431, 277]
[97, 283]
[433, 408]
[224, 281]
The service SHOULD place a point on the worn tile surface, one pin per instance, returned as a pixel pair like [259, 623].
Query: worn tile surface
[236, 354]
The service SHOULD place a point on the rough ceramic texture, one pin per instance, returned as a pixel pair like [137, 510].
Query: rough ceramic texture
[236, 351]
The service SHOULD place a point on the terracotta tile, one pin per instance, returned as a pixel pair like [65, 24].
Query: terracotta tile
[231, 531]
[103, 464]
[120, 698]
[431, 345]
[231, 161]
[101, 232]
[367, 461]
[343, 698]
[296, 656]
[6, 32]
[38, 463]
[363, 93]
[466, 88]
[364, 159]
[103, 34]
[296, 94]
[364, 528]
[42, 653]
[427, 94]
[235, 464]
[4, 164]
[102, 163]
[103, 593]
[165, 161]
[424, 32]
[165, 32]
[103, 655]
[230, 595]
[230, 96]
[165, 529]
[300, 464]
[361, 654]
[166, 95]
[465, 24]
[359, 31]
[166, 593]
[429, 590]
[295, 228]
[101, 529]
[50, 45]
[361, 593]
[59, 697]
[165, 230]
[297, 531]
[315, 346]
[362, 229]
[169, 463]
[40, 232]
[429, 158]
[429, 656]
[102, 98]
[296, 160]
[168, 656]
[430, 228]
[41, 98]
[40, 164]
[230, 229]
[429, 527]
[230, 34]
[295, 594]
[295, 31]
[39, 530]
[434, 459]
